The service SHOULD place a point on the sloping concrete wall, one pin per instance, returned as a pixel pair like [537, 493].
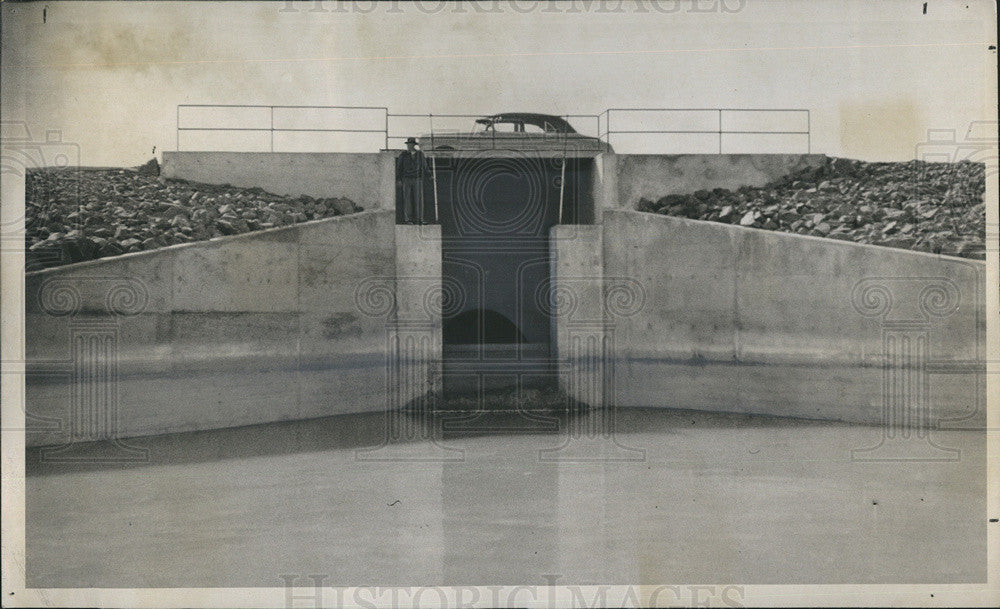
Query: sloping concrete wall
[367, 179]
[626, 178]
[267, 326]
[746, 320]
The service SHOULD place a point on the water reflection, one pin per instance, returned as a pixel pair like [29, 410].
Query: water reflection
[714, 497]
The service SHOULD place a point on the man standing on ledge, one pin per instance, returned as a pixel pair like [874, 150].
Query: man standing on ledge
[411, 167]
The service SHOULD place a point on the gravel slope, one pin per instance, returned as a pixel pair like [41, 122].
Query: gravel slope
[83, 214]
[928, 207]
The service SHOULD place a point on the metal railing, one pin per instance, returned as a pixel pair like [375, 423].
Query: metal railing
[719, 130]
[271, 128]
[381, 119]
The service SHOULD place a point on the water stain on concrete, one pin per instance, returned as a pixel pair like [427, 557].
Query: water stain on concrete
[341, 325]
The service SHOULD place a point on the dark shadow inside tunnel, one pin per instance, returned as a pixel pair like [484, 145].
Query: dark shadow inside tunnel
[481, 326]
[496, 210]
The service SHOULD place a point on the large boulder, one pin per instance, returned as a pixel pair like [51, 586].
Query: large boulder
[343, 206]
[150, 168]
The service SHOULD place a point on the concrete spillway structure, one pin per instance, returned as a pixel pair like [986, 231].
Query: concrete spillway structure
[619, 308]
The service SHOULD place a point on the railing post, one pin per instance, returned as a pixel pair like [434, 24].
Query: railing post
[177, 127]
[272, 128]
[720, 130]
[434, 173]
[562, 187]
[607, 125]
[808, 132]
[386, 128]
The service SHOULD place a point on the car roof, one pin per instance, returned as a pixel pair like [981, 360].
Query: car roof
[531, 118]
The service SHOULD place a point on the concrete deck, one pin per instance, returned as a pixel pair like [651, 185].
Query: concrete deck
[711, 498]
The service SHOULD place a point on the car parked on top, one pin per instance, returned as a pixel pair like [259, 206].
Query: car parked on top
[518, 131]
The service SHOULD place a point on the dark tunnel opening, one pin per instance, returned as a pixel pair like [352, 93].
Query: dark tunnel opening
[481, 326]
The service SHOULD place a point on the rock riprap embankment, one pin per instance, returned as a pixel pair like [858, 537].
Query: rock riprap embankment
[73, 215]
[928, 207]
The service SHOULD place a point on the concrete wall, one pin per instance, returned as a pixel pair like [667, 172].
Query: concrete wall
[341, 315]
[416, 333]
[288, 323]
[366, 179]
[746, 320]
[626, 178]
[578, 313]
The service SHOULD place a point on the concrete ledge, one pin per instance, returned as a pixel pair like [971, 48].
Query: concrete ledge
[196, 395]
[810, 391]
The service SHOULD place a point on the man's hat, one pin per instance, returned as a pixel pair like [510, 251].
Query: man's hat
[411, 140]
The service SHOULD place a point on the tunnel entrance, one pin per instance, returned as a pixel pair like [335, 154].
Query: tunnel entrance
[495, 209]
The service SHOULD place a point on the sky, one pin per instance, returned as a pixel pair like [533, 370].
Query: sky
[875, 77]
